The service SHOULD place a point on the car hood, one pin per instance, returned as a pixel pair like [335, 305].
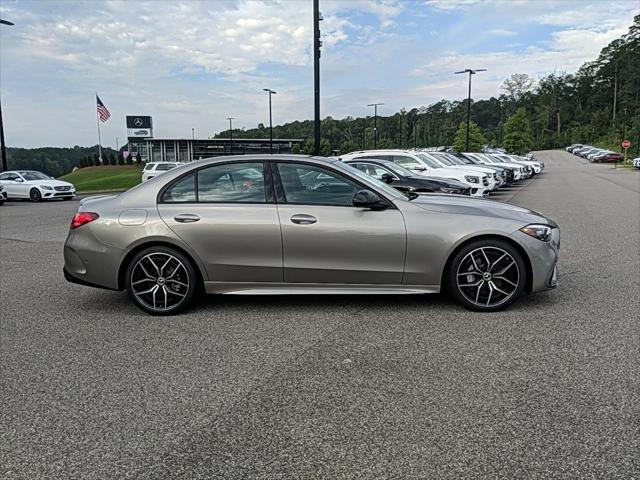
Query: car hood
[454, 172]
[479, 207]
[440, 181]
[51, 183]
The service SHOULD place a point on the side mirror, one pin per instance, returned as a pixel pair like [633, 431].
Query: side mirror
[368, 199]
[387, 178]
[419, 168]
[19, 180]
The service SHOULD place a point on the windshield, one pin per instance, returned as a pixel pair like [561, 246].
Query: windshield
[399, 169]
[392, 192]
[457, 160]
[426, 159]
[442, 158]
[31, 175]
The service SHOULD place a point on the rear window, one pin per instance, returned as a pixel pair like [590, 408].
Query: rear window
[149, 166]
[165, 166]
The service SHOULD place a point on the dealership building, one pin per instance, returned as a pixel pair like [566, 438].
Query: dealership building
[140, 141]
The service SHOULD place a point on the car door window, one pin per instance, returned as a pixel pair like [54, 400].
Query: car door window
[313, 185]
[182, 191]
[232, 183]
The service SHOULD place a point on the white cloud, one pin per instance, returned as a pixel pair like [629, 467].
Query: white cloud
[502, 33]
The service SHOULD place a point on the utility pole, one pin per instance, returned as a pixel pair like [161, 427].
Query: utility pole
[317, 43]
[470, 72]
[375, 123]
[3, 148]
[270, 92]
[230, 135]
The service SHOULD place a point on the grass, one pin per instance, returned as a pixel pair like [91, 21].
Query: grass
[104, 178]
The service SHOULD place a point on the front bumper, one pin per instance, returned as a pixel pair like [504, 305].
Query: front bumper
[543, 257]
[49, 194]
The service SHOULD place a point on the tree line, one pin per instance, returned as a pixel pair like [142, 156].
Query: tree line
[597, 105]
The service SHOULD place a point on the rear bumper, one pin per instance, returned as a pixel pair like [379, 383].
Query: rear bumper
[79, 281]
[87, 261]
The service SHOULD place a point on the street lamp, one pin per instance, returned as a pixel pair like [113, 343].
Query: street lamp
[230, 135]
[375, 123]
[270, 92]
[470, 72]
[3, 149]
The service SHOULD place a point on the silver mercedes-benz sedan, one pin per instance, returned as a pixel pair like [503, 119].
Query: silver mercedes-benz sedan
[288, 224]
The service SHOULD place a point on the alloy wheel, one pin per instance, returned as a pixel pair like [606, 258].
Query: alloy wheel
[34, 195]
[488, 276]
[159, 281]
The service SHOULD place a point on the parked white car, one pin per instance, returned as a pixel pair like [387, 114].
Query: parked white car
[519, 169]
[494, 178]
[425, 165]
[35, 186]
[153, 169]
[636, 162]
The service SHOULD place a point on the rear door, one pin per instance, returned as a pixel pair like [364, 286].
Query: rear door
[326, 239]
[227, 214]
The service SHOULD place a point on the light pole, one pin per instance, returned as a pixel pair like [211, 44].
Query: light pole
[3, 149]
[375, 123]
[270, 92]
[193, 133]
[317, 43]
[470, 72]
[230, 135]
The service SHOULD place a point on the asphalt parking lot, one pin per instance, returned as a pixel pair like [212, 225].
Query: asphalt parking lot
[331, 386]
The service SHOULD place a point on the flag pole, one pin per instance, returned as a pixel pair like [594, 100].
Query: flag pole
[98, 123]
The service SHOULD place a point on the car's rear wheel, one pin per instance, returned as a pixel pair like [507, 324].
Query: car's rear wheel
[487, 275]
[35, 195]
[161, 281]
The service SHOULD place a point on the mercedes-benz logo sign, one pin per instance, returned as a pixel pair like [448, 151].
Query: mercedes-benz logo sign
[137, 122]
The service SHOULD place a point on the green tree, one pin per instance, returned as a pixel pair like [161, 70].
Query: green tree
[517, 133]
[476, 139]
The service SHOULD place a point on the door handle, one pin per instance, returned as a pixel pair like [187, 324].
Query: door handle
[302, 219]
[186, 218]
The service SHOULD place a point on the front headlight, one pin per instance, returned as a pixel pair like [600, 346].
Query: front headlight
[45, 187]
[541, 232]
[471, 179]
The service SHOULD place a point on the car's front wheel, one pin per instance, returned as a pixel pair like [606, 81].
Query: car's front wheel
[487, 275]
[161, 280]
[35, 195]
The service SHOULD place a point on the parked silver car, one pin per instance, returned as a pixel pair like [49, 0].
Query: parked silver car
[292, 224]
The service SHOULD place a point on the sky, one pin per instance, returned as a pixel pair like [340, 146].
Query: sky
[192, 64]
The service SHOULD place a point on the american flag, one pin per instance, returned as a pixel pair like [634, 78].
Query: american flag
[103, 113]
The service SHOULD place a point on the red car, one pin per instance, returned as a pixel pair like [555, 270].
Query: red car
[609, 157]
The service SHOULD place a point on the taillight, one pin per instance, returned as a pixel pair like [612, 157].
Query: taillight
[82, 218]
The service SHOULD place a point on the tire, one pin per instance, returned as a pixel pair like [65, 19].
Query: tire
[174, 288]
[35, 195]
[481, 289]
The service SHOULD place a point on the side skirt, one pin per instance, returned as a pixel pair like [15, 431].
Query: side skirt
[275, 288]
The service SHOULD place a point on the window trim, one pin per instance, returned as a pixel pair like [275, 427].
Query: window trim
[282, 200]
[266, 176]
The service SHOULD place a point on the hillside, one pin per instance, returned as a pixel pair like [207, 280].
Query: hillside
[104, 178]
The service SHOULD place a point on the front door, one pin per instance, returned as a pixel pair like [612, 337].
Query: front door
[326, 239]
[221, 211]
